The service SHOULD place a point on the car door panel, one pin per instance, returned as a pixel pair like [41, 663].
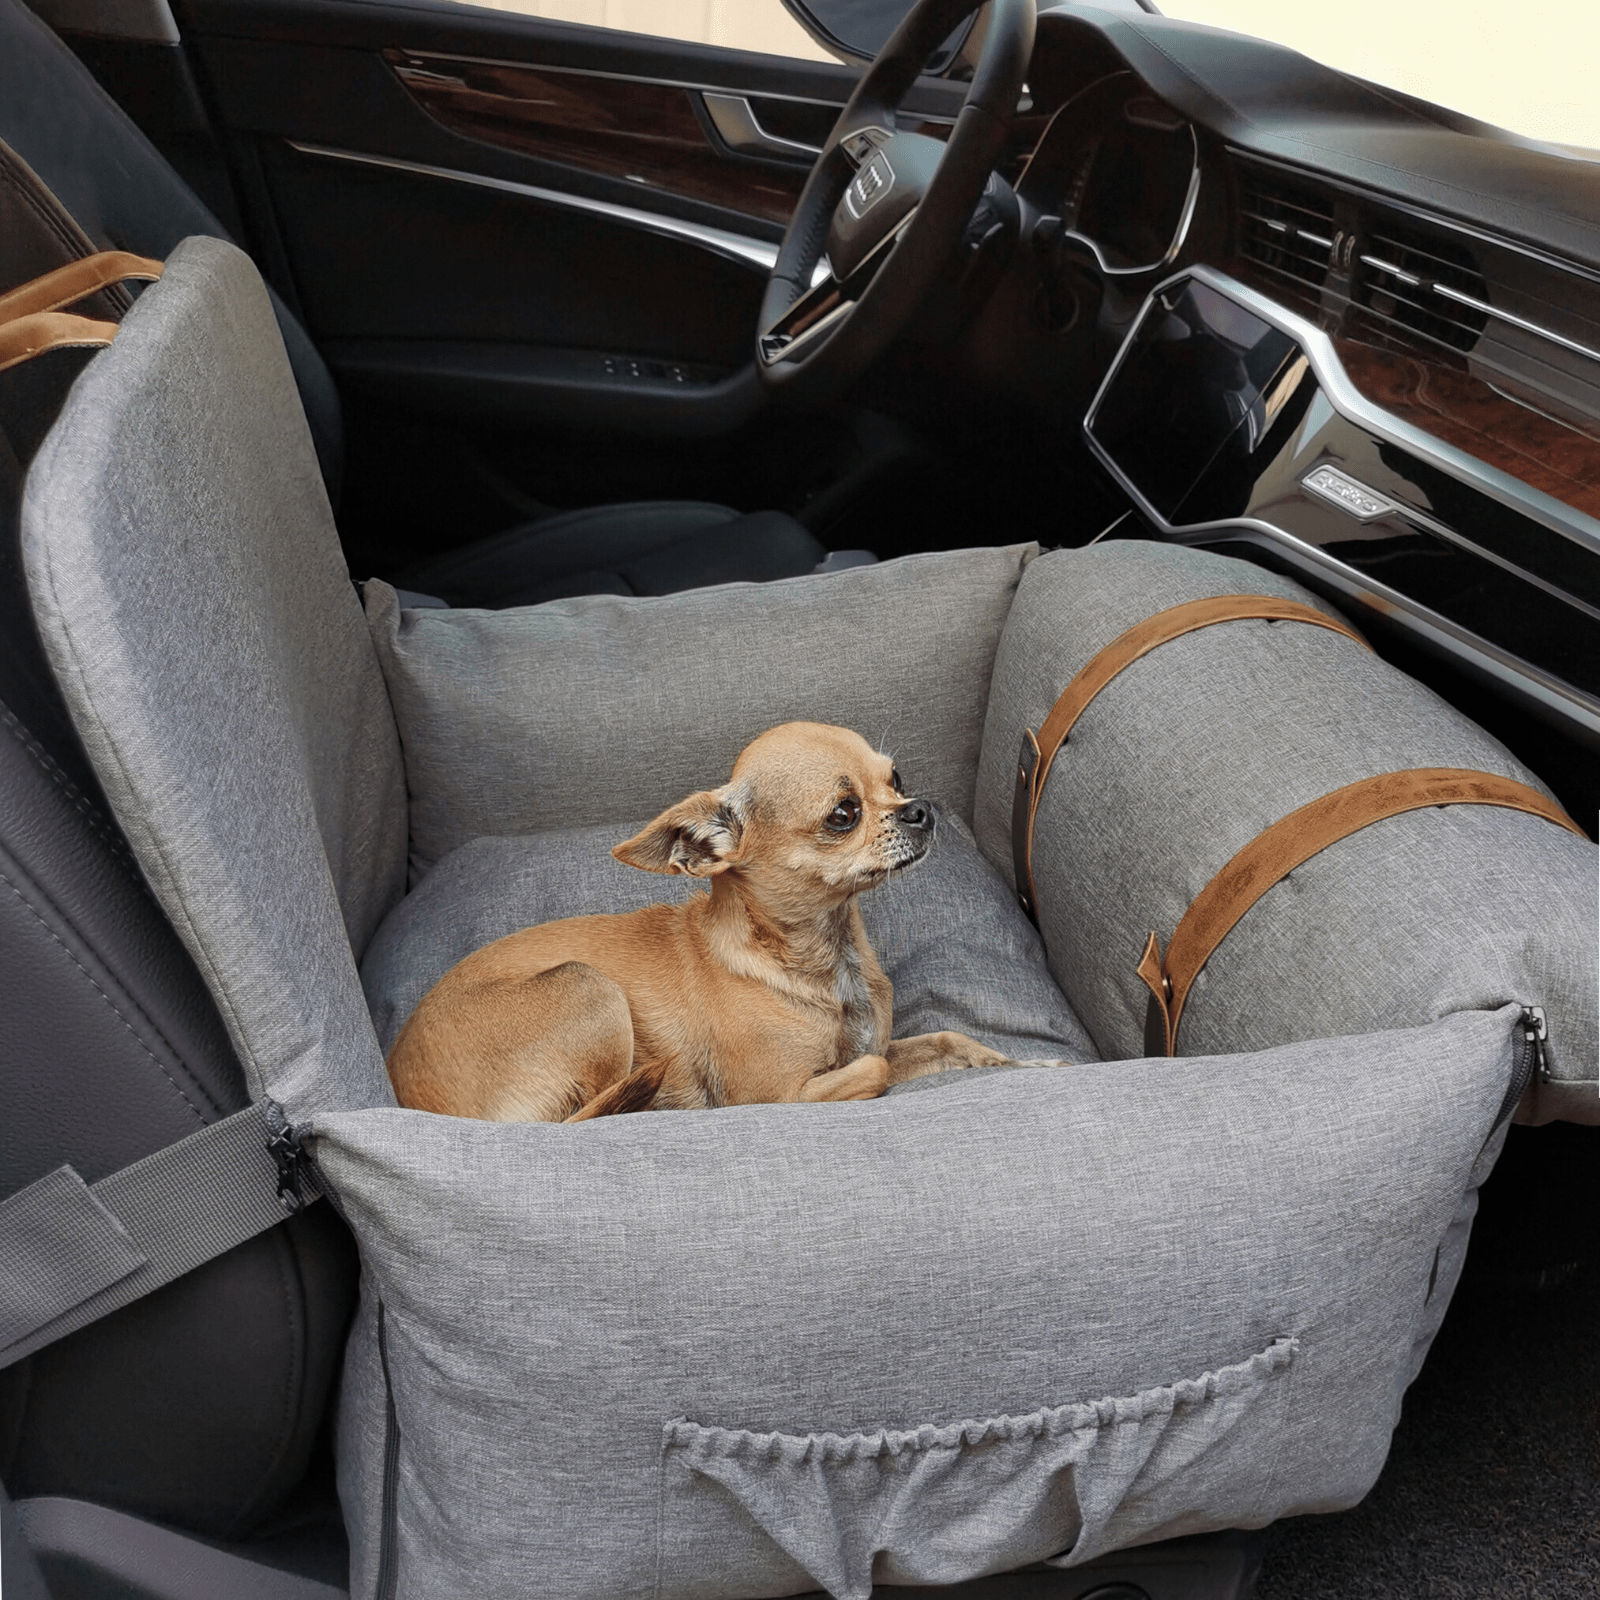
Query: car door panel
[519, 191]
[384, 252]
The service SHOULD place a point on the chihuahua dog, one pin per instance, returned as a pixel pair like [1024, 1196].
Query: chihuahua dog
[763, 989]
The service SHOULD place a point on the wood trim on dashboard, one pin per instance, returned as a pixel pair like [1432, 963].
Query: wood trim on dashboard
[1447, 395]
[645, 133]
[1455, 405]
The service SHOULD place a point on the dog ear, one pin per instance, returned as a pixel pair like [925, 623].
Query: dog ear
[696, 836]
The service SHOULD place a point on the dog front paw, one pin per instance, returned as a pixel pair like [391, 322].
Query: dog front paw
[960, 1051]
[865, 1078]
[980, 1055]
[938, 1052]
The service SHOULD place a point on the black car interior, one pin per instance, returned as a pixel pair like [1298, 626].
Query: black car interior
[123, 195]
[524, 329]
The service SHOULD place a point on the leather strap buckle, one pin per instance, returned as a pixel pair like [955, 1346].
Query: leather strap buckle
[1022, 800]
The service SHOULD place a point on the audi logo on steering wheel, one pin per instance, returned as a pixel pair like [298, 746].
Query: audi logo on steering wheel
[869, 185]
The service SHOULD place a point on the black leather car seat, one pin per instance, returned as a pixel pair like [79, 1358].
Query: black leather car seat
[654, 547]
[124, 195]
[203, 1406]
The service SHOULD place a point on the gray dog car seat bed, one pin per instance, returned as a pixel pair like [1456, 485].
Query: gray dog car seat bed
[1012, 1317]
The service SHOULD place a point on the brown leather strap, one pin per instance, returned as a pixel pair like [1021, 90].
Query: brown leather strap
[1039, 752]
[1292, 841]
[28, 337]
[72, 282]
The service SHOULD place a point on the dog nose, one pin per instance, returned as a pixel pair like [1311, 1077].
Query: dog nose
[916, 814]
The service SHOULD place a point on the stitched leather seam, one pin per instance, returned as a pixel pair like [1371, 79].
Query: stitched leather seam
[1199, 83]
[116, 1010]
[18, 172]
[39, 199]
[130, 132]
[1455, 190]
[90, 812]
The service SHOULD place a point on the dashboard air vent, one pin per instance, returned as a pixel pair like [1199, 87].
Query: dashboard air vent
[1286, 228]
[1428, 286]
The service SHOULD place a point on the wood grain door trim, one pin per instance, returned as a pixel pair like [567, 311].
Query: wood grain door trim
[645, 133]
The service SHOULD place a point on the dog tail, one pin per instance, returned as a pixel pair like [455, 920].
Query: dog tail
[636, 1092]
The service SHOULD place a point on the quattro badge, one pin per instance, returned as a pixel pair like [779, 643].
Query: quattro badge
[1354, 499]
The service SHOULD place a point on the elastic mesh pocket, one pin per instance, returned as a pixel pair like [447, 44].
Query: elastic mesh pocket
[746, 1513]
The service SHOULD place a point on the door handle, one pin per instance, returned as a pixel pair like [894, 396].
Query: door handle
[734, 118]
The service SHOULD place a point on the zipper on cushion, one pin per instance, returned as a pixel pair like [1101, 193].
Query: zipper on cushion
[1534, 1033]
[388, 1566]
[1529, 1057]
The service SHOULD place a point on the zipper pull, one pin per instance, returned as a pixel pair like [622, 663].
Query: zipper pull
[288, 1154]
[1534, 1033]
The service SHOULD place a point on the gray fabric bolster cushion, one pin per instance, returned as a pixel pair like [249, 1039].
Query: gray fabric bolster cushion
[1195, 749]
[608, 708]
[194, 604]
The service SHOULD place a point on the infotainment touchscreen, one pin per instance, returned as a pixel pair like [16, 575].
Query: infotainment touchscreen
[1194, 372]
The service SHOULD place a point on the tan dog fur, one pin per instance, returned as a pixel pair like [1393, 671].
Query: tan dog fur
[763, 989]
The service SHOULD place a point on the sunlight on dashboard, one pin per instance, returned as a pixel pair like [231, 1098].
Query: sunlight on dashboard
[1528, 68]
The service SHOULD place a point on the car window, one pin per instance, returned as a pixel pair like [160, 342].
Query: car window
[765, 26]
[1528, 68]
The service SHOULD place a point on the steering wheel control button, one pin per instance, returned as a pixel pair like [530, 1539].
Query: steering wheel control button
[1355, 499]
[859, 146]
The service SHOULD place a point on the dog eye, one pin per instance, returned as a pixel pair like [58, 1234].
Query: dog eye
[894, 779]
[844, 816]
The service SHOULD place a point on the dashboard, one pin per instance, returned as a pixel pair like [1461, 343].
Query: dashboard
[1288, 310]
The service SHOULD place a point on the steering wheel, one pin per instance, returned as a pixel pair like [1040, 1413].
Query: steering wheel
[886, 209]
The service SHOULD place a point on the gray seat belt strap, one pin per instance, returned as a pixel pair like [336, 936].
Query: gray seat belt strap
[72, 1251]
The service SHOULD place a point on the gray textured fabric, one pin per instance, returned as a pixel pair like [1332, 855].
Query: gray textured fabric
[363, 1439]
[1124, 1300]
[899, 1505]
[1185, 1294]
[1194, 750]
[948, 934]
[961, 955]
[58, 1246]
[604, 708]
[71, 1252]
[195, 607]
